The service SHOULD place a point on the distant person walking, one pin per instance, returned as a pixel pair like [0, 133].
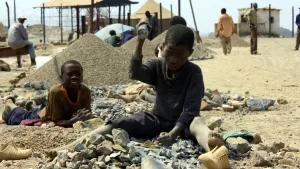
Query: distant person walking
[225, 30]
[18, 38]
[251, 17]
[298, 32]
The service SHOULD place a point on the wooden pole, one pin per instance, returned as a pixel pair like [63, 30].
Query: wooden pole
[198, 38]
[61, 24]
[124, 14]
[15, 12]
[171, 10]
[119, 17]
[59, 17]
[41, 16]
[83, 25]
[8, 15]
[193, 15]
[109, 12]
[91, 17]
[179, 8]
[161, 19]
[293, 22]
[72, 18]
[44, 24]
[98, 19]
[77, 20]
[128, 18]
[270, 24]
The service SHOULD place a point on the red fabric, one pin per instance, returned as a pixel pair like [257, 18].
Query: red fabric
[32, 122]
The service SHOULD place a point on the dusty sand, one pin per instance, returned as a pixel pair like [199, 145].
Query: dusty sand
[262, 75]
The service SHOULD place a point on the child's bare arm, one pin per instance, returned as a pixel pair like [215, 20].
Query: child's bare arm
[139, 71]
[191, 109]
[169, 138]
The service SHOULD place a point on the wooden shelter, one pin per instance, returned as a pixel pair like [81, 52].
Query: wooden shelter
[153, 7]
[83, 4]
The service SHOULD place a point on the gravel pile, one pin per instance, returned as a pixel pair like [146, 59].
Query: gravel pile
[236, 41]
[102, 64]
[239, 42]
[44, 50]
[159, 39]
[109, 109]
[215, 100]
[37, 138]
[117, 150]
[148, 48]
[202, 53]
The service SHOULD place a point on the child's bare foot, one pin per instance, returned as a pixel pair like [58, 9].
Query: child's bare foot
[111, 94]
[143, 94]
[214, 140]
[30, 105]
[9, 105]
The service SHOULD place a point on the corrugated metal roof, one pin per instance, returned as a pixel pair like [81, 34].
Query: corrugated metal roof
[151, 6]
[83, 3]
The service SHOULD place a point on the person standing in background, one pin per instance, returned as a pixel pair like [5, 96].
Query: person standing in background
[251, 16]
[152, 20]
[298, 32]
[225, 31]
[18, 38]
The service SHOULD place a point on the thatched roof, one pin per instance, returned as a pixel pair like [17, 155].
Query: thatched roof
[152, 6]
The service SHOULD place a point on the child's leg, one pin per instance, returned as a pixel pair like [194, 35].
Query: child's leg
[9, 104]
[125, 98]
[137, 125]
[204, 135]
[8, 107]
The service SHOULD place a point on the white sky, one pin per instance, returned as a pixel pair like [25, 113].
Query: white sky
[207, 12]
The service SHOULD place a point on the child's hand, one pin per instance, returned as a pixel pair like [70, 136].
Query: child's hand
[81, 114]
[165, 139]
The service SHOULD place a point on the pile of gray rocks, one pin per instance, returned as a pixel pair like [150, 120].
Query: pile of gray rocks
[118, 151]
[215, 100]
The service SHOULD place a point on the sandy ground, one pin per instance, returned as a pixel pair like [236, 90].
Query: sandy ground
[269, 75]
[266, 75]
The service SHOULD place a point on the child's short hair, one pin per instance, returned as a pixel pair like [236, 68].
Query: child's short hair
[74, 62]
[180, 35]
[177, 20]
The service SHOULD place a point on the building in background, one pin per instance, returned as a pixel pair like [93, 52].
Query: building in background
[263, 22]
[242, 27]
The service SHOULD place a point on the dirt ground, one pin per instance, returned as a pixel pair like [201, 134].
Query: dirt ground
[271, 74]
